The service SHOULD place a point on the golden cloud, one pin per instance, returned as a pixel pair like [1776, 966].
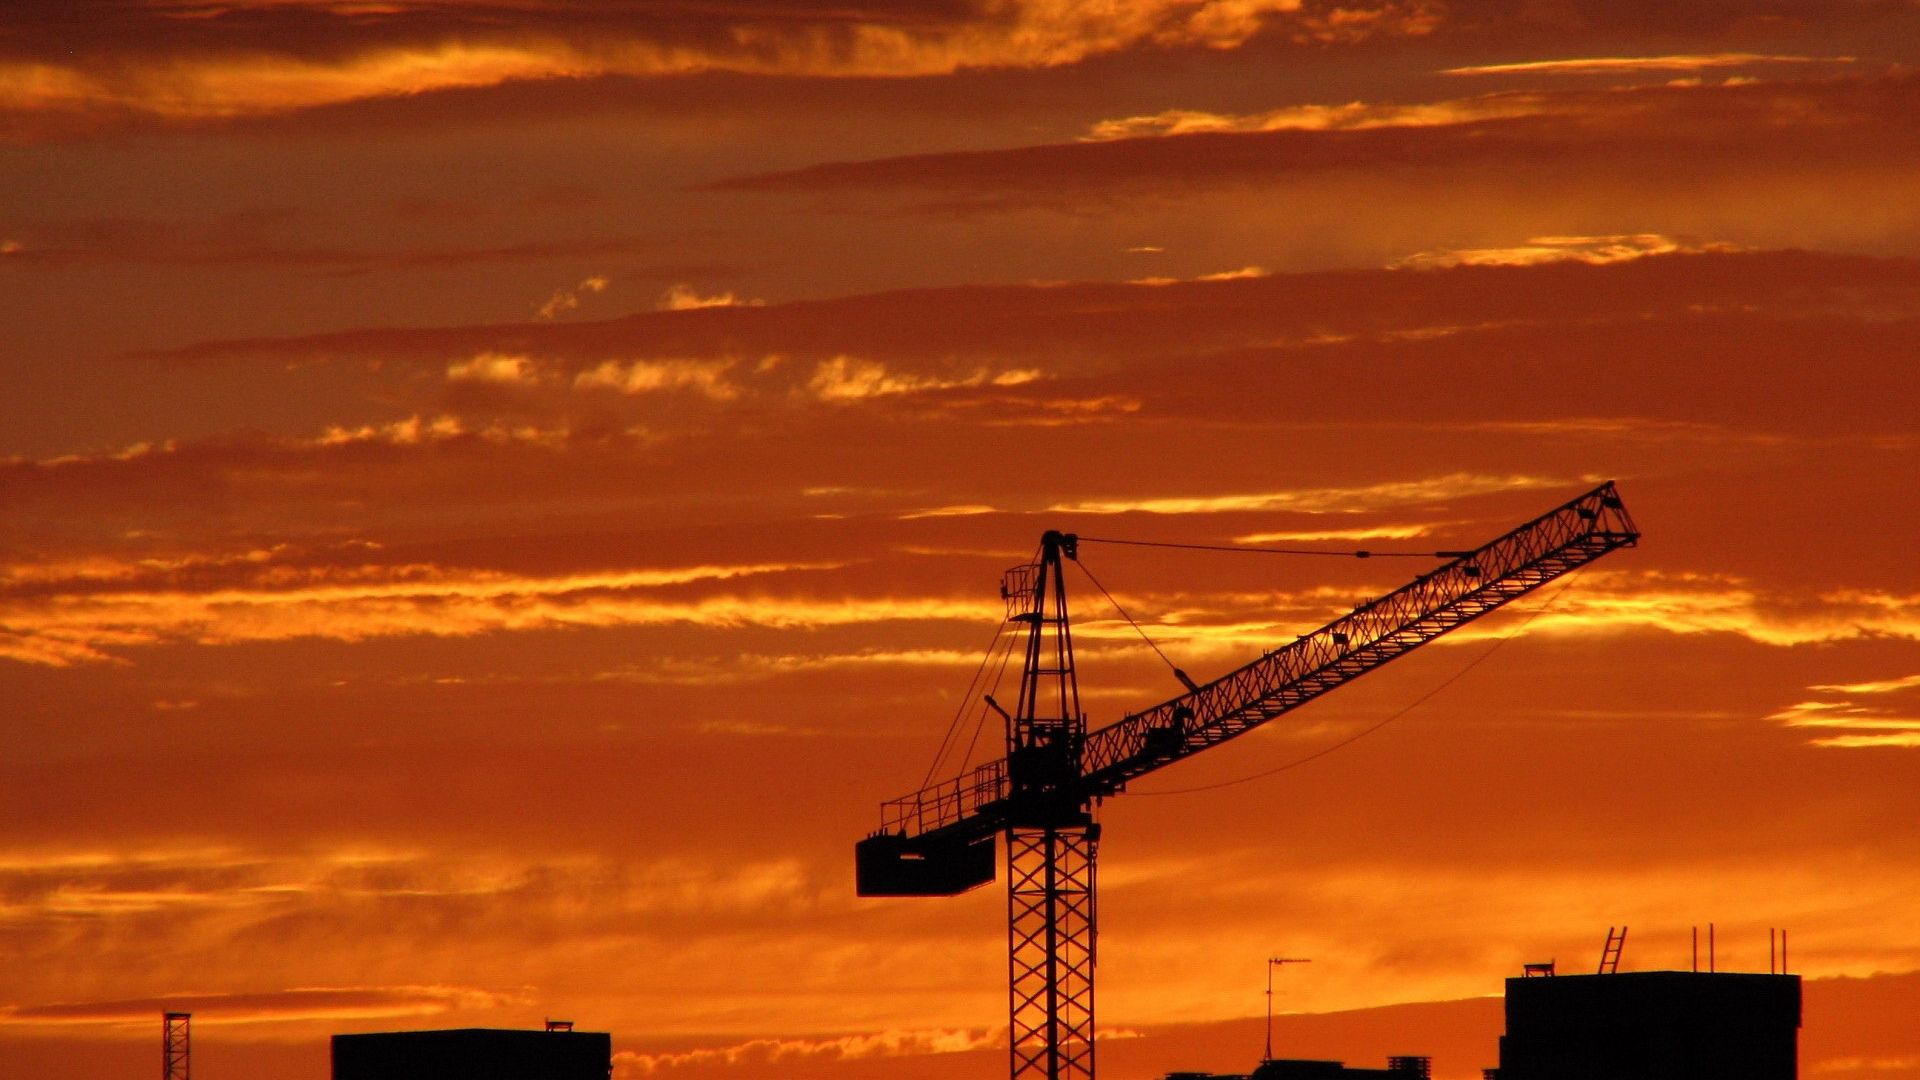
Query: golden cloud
[1351, 116]
[1617, 65]
[281, 1006]
[568, 299]
[45, 885]
[952, 510]
[264, 84]
[1596, 603]
[500, 369]
[415, 430]
[1896, 739]
[353, 604]
[1221, 275]
[1613, 602]
[715, 670]
[838, 380]
[98, 568]
[892, 1043]
[1863, 725]
[96, 609]
[1369, 532]
[846, 378]
[1876, 686]
[1592, 250]
[685, 298]
[706, 377]
[1322, 500]
[1022, 34]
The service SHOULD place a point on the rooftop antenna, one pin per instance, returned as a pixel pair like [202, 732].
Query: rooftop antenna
[1274, 962]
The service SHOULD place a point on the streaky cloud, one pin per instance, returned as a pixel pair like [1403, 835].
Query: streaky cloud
[1615, 65]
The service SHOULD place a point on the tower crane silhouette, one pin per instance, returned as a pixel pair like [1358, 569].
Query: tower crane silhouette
[1041, 797]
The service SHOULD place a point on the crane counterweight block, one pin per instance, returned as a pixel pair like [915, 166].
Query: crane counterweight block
[894, 864]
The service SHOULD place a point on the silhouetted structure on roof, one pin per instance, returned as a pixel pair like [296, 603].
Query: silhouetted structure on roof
[1398, 1068]
[176, 1046]
[473, 1054]
[1652, 1025]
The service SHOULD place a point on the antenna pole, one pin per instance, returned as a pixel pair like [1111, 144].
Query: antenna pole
[1274, 962]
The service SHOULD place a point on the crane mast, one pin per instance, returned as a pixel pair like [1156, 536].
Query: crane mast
[939, 841]
[1051, 836]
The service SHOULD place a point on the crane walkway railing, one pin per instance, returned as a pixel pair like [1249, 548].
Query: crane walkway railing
[945, 803]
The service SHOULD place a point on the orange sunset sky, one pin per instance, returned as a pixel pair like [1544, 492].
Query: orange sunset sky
[494, 493]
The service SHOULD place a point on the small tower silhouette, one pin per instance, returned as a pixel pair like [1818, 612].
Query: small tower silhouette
[176, 1046]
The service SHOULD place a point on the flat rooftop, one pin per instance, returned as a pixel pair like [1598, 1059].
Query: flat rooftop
[473, 1054]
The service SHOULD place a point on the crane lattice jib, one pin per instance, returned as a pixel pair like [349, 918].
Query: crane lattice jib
[1469, 585]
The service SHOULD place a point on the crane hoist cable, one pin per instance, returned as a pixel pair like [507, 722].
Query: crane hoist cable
[1572, 580]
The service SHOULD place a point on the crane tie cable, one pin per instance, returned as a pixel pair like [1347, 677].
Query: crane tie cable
[1123, 614]
[980, 723]
[1361, 553]
[1390, 718]
[953, 726]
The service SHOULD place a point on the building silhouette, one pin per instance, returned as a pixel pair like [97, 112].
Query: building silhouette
[474, 1054]
[1614, 1025]
[1398, 1068]
[1651, 1025]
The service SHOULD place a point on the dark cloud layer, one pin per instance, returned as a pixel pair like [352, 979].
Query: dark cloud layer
[95, 67]
[1094, 325]
[323, 30]
[733, 411]
[1745, 126]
